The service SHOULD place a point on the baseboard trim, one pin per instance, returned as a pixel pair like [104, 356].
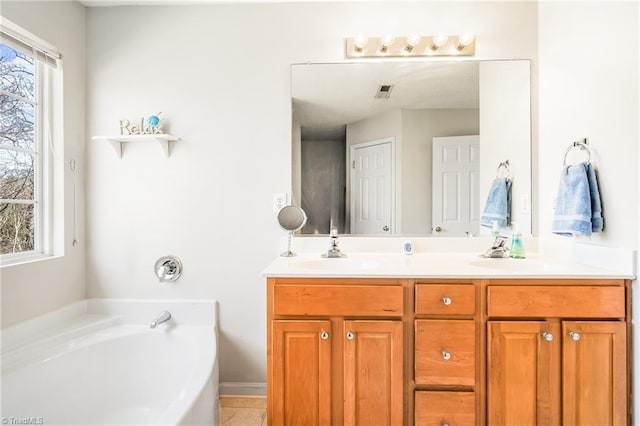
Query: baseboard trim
[242, 388]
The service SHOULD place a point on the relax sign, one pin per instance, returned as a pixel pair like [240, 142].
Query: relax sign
[149, 127]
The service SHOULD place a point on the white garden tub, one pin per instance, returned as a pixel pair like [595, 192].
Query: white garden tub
[98, 362]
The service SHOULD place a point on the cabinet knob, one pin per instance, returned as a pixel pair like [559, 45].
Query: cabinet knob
[324, 335]
[350, 335]
[444, 423]
[547, 336]
[446, 300]
[446, 355]
[385, 228]
[575, 336]
[437, 228]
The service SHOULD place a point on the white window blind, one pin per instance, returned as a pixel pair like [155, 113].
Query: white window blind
[24, 43]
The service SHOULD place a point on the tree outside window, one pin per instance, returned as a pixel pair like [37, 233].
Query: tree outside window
[18, 151]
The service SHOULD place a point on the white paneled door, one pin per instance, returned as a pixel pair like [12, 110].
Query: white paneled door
[456, 167]
[372, 187]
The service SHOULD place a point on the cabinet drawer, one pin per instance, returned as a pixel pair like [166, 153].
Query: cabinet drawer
[445, 299]
[343, 300]
[445, 352]
[439, 408]
[556, 301]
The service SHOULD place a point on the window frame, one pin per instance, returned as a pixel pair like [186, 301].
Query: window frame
[43, 104]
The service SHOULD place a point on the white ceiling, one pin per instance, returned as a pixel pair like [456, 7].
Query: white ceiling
[328, 96]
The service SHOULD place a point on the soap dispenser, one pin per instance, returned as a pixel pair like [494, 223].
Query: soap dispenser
[517, 248]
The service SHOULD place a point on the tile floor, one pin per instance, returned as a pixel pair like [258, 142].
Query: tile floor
[243, 411]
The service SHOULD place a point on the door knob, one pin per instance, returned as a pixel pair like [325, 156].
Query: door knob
[437, 229]
[385, 228]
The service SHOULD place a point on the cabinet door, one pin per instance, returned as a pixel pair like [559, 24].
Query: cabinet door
[373, 364]
[523, 369]
[301, 357]
[594, 373]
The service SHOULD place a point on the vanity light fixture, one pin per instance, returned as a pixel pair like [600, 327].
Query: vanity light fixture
[410, 46]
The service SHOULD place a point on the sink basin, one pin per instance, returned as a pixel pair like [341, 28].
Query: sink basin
[338, 264]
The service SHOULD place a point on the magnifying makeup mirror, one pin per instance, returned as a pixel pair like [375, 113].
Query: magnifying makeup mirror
[291, 218]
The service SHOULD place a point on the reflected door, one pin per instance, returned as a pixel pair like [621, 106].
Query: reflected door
[372, 187]
[456, 172]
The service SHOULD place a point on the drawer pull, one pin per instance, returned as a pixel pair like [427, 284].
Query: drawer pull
[446, 300]
[324, 335]
[575, 336]
[350, 335]
[547, 336]
[446, 355]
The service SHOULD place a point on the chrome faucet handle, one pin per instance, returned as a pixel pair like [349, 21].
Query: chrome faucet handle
[168, 269]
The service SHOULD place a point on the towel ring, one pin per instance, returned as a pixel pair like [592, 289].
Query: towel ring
[582, 144]
[504, 165]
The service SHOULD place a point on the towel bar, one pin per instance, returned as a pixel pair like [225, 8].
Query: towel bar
[582, 144]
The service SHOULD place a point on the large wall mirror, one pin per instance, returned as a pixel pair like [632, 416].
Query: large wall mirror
[409, 148]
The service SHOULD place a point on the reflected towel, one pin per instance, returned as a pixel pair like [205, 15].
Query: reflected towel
[498, 205]
[578, 209]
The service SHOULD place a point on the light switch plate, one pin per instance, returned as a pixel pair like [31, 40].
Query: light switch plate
[279, 201]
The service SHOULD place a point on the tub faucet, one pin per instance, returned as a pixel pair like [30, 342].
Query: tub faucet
[163, 317]
[334, 251]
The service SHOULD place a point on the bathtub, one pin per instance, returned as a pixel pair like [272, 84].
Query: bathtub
[97, 362]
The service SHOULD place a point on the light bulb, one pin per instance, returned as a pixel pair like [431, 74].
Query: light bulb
[465, 40]
[439, 41]
[412, 41]
[360, 42]
[387, 40]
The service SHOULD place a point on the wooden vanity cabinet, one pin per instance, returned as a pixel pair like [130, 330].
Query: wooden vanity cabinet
[557, 355]
[335, 352]
[351, 351]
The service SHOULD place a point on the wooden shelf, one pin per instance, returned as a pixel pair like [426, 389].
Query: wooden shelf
[117, 141]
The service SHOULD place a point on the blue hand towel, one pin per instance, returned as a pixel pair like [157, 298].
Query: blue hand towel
[498, 205]
[578, 210]
[597, 223]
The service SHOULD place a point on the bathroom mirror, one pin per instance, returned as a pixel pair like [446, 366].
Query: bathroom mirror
[406, 119]
[291, 219]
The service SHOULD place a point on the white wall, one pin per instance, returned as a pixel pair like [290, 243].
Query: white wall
[589, 88]
[505, 134]
[34, 288]
[221, 74]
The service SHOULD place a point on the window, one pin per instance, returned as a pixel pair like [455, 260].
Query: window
[25, 146]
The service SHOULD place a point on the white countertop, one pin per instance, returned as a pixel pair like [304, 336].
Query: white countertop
[434, 265]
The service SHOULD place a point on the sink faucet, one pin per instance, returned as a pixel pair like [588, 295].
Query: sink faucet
[498, 249]
[334, 251]
[164, 316]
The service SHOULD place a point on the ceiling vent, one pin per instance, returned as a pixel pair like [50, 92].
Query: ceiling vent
[384, 91]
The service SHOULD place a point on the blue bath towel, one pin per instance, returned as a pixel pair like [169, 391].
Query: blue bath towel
[498, 205]
[578, 209]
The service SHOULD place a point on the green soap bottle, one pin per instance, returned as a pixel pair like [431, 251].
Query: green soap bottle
[517, 248]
